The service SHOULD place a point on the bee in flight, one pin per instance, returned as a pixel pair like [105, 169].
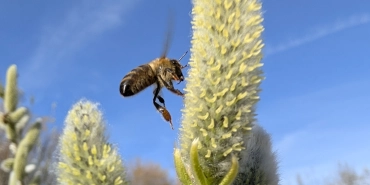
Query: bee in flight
[160, 73]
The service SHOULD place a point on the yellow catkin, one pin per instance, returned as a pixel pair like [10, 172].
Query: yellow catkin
[244, 83]
[211, 100]
[109, 148]
[208, 155]
[231, 102]
[74, 136]
[231, 18]
[238, 115]
[90, 160]
[83, 127]
[235, 127]
[223, 92]
[75, 147]
[227, 152]
[213, 143]
[233, 60]
[212, 124]
[228, 76]
[219, 109]
[204, 117]
[87, 132]
[227, 135]
[204, 132]
[199, 109]
[88, 175]
[225, 123]
[225, 34]
[62, 165]
[223, 50]
[203, 93]
[216, 82]
[217, 67]
[93, 150]
[237, 26]
[242, 95]
[233, 86]
[77, 158]
[217, 14]
[242, 68]
[223, 80]
[111, 169]
[211, 61]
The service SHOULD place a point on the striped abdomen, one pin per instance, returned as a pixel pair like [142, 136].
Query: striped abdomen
[137, 80]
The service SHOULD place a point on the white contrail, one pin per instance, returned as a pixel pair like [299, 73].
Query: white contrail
[319, 33]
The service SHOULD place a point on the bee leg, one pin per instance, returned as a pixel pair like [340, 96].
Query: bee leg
[165, 114]
[156, 94]
[170, 87]
[161, 100]
[176, 91]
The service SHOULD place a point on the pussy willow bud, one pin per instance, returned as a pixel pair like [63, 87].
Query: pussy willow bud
[223, 84]
[85, 155]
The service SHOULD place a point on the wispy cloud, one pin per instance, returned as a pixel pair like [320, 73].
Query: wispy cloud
[61, 40]
[314, 152]
[320, 32]
[320, 130]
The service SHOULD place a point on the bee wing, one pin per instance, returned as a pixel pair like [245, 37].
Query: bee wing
[168, 36]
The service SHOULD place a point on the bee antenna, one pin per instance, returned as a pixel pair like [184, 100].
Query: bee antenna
[183, 56]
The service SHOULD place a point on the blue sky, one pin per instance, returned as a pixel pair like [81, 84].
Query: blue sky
[315, 98]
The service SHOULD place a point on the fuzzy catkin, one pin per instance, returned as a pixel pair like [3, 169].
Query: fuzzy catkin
[1, 91]
[223, 82]
[258, 164]
[25, 146]
[11, 91]
[85, 156]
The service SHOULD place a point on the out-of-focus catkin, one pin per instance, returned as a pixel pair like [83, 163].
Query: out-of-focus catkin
[258, 164]
[11, 90]
[85, 155]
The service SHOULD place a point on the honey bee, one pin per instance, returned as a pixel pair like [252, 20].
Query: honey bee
[160, 73]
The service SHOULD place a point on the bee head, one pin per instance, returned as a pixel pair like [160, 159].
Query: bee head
[178, 69]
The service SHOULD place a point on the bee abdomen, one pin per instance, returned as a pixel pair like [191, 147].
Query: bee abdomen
[137, 80]
[125, 89]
